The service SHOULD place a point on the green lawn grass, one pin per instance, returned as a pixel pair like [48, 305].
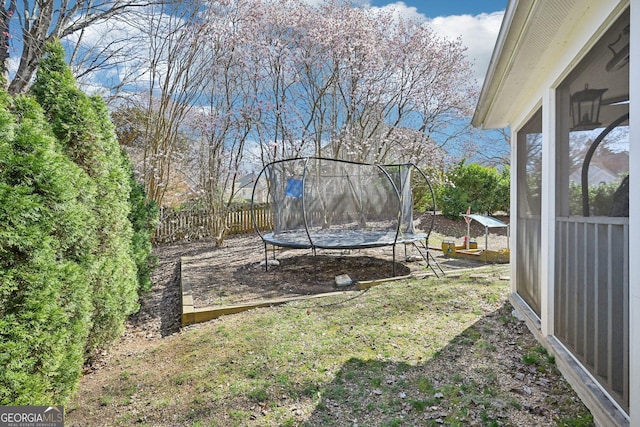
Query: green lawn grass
[413, 352]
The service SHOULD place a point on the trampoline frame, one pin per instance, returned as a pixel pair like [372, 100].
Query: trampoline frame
[314, 241]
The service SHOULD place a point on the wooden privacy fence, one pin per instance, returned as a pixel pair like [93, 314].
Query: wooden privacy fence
[199, 223]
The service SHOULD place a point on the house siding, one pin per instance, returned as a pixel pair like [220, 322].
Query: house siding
[589, 314]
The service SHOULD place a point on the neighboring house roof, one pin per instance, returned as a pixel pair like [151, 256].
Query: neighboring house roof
[245, 188]
[247, 181]
[597, 175]
[538, 40]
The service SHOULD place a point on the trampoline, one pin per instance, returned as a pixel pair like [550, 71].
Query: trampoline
[320, 203]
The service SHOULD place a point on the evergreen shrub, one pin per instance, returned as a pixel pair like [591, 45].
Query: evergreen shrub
[144, 216]
[46, 235]
[71, 262]
[82, 126]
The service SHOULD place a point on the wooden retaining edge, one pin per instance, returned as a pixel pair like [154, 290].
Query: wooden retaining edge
[191, 315]
[186, 299]
[454, 273]
[421, 275]
[366, 284]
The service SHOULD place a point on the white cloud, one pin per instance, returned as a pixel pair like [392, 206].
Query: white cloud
[478, 33]
[401, 10]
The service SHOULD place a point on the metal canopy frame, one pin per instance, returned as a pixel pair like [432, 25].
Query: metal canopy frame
[487, 222]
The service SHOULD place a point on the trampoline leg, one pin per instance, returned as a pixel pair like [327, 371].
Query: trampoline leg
[266, 257]
[393, 265]
[436, 263]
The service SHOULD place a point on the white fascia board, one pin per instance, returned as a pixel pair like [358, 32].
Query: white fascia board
[488, 91]
[500, 59]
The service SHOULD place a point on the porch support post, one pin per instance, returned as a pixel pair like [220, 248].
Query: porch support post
[548, 213]
[513, 213]
[634, 217]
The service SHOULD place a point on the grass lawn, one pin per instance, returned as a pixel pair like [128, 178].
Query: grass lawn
[416, 352]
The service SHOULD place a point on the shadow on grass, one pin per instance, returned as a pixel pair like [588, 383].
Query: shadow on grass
[171, 308]
[493, 373]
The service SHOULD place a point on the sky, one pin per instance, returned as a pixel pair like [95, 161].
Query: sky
[477, 22]
[434, 8]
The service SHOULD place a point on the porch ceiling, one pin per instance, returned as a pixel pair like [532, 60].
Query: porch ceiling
[533, 38]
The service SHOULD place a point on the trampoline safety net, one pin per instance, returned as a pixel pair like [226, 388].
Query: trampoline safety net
[331, 204]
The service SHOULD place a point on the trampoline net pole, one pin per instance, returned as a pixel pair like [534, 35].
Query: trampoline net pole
[320, 203]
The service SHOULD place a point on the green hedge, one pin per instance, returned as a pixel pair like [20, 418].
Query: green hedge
[45, 230]
[484, 189]
[87, 136]
[144, 218]
[601, 197]
[75, 230]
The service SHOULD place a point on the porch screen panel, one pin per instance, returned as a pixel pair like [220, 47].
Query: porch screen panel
[529, 232]
[592, 215]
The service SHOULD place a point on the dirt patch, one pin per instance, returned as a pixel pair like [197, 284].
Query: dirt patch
[236, 273]
[233, 273]
[295, 275]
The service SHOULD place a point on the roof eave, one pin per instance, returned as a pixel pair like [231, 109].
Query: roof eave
[509, 35]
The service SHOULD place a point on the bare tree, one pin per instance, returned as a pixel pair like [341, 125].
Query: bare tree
[40, 21]
[174, 83]
[229, 111]
[288, 79]
[489, 148]
[109, 57]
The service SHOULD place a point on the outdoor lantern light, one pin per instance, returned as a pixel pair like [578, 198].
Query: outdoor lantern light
[585, 108]
[620, 57]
